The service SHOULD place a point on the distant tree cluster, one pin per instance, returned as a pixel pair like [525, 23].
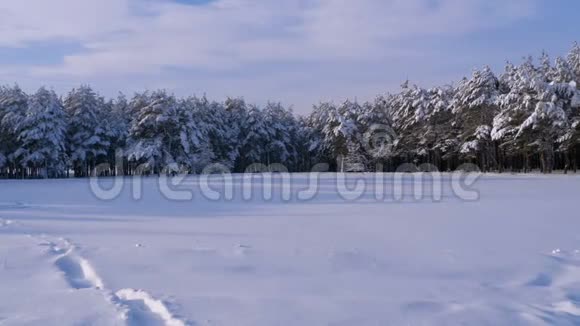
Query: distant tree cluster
[527, 118]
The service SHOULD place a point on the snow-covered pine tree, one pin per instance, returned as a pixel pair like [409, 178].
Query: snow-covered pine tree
[42, 136]
[440, 137]
[309, 144]
[87, 136]
[219, 129]
[302, 138]
[518, 101]
[544, 111]
[118, 122]
[562, 72]
[475, 105]
[377, 137]
[204, 151]
[563, 93]
[325, 120]
[293, 143]
[336, 131]
[154, 137]
[235, 112]
[574, 62]
[342, 130]
[280, 124]
[194, 152]
[13, 106]
[355, 160]
[254, 138]
[316, 121]
[409, 115]
[545, 70]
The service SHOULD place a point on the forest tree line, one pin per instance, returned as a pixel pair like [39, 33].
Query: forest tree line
[526, 118]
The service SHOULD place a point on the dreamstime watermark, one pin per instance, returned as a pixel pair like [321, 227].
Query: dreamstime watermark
[273, 182]
[379, 141]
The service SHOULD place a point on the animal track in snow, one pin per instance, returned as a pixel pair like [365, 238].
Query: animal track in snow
[143, 309]
[136, 307]
[78, 272]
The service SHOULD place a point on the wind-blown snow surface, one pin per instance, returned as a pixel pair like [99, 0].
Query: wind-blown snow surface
[510, 258]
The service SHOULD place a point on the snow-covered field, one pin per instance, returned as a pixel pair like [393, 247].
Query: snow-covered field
[510, 258]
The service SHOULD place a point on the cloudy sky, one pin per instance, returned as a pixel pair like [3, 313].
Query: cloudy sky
[297, 51]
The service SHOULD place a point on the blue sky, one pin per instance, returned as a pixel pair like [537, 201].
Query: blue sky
[297, 51]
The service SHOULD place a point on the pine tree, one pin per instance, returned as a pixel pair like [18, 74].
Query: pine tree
[562, 72]
[236, 110]
[254, 138]
[13, 106]
[440, 137]
[42, 136]
[194, 152]
[355, 160]
[574, 62]
[337, 127]
[204, 150]
[221, 132]
[154, 137]
[475, 105]
[545, 70]
[378, 137]
[544, 110]
[87, 135]
[409, 115]
[279, 122]
[518, 101]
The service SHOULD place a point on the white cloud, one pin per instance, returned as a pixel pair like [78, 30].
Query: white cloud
[134, 36]
[368, 23]
[25, 21]
[124, 38]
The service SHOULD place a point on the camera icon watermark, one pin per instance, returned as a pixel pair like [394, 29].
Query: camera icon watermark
[379, 141]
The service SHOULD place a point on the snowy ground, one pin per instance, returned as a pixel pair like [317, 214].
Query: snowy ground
[510, 258]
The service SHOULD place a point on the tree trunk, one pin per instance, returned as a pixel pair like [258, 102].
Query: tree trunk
[574, 160]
